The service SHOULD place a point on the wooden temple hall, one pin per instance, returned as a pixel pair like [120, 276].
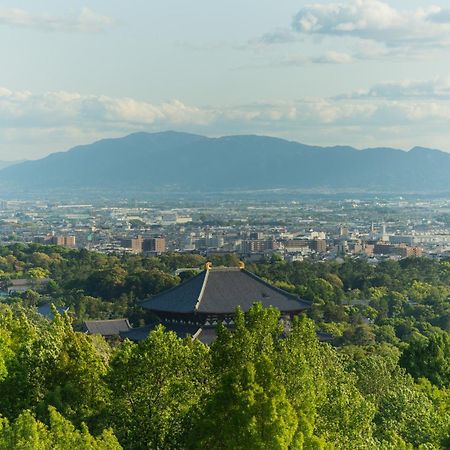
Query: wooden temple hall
[196, 306]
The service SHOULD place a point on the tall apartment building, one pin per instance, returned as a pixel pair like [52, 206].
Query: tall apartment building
[401, 250]
[257, 245]
[318, 245]
[134, 244]
[63, 241]
[70, 241]
[296, 245]
[154, 245]
[145, 245]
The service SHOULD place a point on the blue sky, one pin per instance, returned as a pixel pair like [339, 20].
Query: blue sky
[358, 72]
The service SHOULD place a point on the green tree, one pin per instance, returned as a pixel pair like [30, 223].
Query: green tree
[53, 365]
[249, 410]
[429, 358]
[27, 433]
[154, 385]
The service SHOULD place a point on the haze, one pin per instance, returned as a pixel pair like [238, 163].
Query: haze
[361, 72]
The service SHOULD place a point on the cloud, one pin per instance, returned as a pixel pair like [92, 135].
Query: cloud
[87, 21]
[437, 89]
[405, 113]
[361, 30]
[331, 57]
[280, 36]
[23, 108]
[375, 20]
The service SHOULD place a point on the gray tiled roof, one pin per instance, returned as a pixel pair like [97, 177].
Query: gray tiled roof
[106, 327]
[220, 291]
[46, 310]
[139, 334]
[205, 334]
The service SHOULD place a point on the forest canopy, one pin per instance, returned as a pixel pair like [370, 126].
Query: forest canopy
[383, 382]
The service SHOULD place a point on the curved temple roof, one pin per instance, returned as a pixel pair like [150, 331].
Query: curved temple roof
[221, 291]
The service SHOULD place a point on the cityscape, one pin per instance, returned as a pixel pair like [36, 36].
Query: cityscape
[324, 229]
[225, 225]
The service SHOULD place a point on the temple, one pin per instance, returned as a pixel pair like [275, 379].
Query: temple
[196, 306]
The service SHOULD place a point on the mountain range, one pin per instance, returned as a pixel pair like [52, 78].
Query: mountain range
[173, 161]
[4, 164]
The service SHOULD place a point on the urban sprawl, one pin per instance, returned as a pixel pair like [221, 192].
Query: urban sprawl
[373, 229]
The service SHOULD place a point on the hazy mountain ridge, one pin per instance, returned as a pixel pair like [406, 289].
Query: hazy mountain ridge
[190, 162]
[4, 164]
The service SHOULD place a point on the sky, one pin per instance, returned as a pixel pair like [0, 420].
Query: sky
[366, 73]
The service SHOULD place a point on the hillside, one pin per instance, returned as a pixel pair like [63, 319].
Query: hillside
[180, 161]
[4, 164]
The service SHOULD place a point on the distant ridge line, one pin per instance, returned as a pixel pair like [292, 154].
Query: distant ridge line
[171, 161]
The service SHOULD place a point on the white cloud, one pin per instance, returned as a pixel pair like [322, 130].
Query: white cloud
[407, 113]
[331, 57]
[376, 20]
[87, 21]
[437, 89]
[361, 30]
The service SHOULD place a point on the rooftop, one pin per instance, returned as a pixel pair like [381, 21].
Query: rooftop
[106, 327]
[221, 291]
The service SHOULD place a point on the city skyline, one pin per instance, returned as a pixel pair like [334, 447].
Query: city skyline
[361, 72]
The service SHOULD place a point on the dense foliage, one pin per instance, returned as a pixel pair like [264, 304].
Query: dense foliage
[383, 384]
[256, 387]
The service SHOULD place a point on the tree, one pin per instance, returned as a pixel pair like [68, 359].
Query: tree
[38, 273]
[344, 416]
[154, 384]
[53, 365]
[248, 410]
[267, 385]
[27, 433]
[429, 358]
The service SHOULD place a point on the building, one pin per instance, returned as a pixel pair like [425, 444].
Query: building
[196, 306]
[154, 245]
[296, 245]
[70, 241]
[318, 245]
[63, 241]
[20, 285]
[355, 247]
[106, 328]
[258, 245]
[402, 250]
[210, 242]
[396, 239]
[46, 310]
[134, 244]
[256, 236]
[148, 245]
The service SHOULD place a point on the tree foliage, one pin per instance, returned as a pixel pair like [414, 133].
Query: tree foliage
[265, 383]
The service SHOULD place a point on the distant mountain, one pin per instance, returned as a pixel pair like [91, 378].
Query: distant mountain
[174, 161]
[4, 164]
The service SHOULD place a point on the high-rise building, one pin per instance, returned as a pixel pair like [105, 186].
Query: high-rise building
[70, 241]
[154, 245]
[63, 241]
[296, 245]
[258, 245]
[134, 244]
[318, 245]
